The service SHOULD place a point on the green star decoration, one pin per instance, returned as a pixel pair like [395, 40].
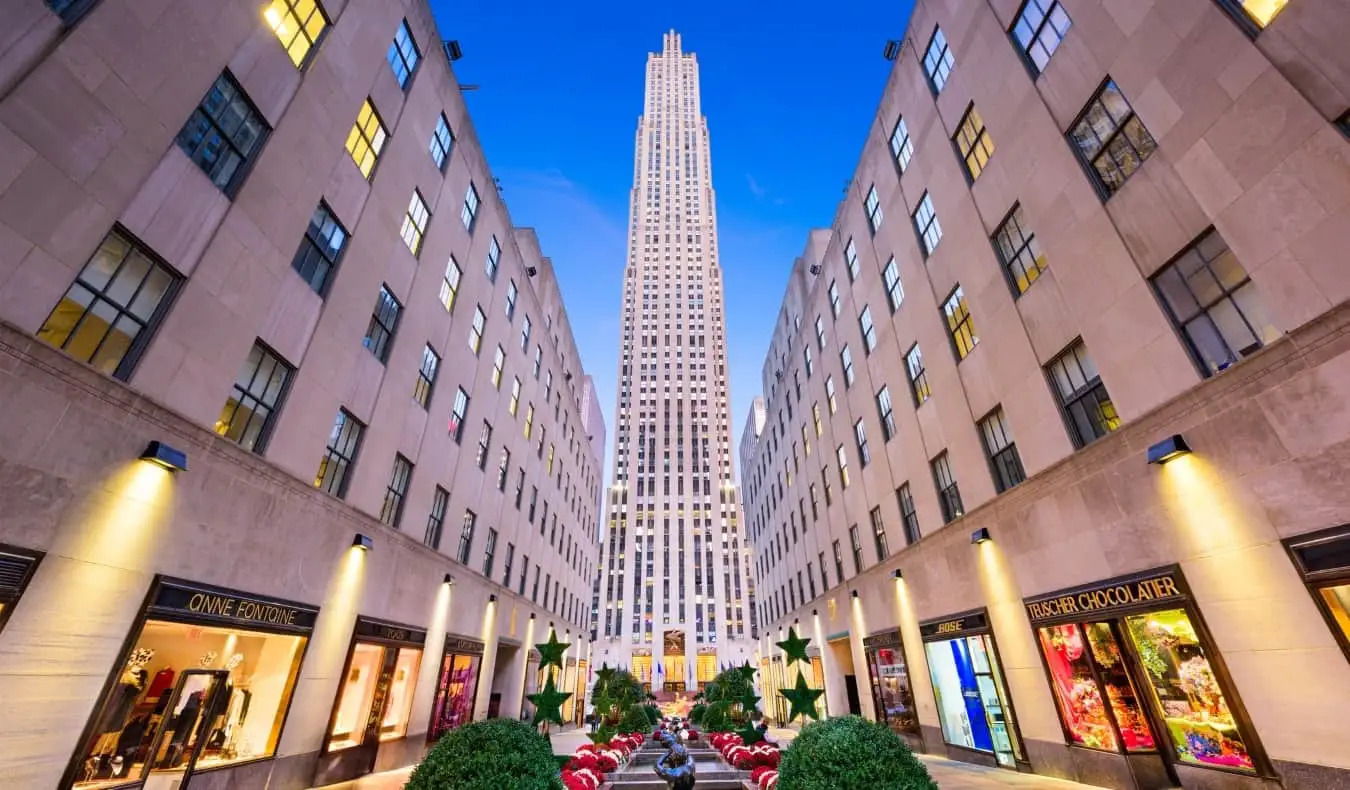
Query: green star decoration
[803, 699]
[749, 734]
[749, 700]
[548, 703]
[794, 649]
[551, 652]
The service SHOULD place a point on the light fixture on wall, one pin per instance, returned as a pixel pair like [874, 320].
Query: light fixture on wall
[815, 612]
[163, 455]
[449, 579]
[492, 598]
[980, 535]
[898, 575]
[1173, 446]
[363, 542]
[854, 594]
[531, 615]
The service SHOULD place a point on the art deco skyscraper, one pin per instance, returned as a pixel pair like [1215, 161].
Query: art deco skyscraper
[673, 601]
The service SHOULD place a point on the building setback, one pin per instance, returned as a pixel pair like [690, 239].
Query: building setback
[1053, 457]
[291, 459]
[676, 600]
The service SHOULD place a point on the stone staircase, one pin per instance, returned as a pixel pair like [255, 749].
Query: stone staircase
[711, 770]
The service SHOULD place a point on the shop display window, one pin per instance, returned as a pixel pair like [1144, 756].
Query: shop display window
[1337, 600]
[362, 699]
[971, 697]
[1096, 698]
[455, 692]
[893, 695]
[1186, 692]
[396, 709]
[218, 692]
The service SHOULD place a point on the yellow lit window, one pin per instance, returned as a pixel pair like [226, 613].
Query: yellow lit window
[974, 142]
[298, 25]
[366, 140]
[1263, 11]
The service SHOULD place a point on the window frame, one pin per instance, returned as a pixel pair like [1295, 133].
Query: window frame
[330, 451]
[968, 141]
[868, 327]
[860, 438]
[468, 213]
[382, 299]
[1005, 463]
[391, 513]
[855, 546]
[886, 412]
[419, 230]
[944, 57]
[872, 207]
[274, 409]
[1016, 217]
[246, 161]
[921, 230]
[376, 151]
[448, 287]
[405, 83]
[440, 503]
[458, 417]
[902, 153]
[909, 515]
[467, 526]
[70, 13]
[425, 386]
[1081, 394]
[895, 289]
[1047, 8]
[1104, 191]
[917, 381]
[881, 544]
[846, 363]
[949, 496]
[966, 322]
[308, 243]
[446, 146]
[301, 30]
[1241, 17]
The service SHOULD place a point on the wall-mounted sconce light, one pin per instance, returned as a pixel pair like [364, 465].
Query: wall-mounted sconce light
[815, 612]
[854, 593]
[980, 535]
[1173, 446]
[492, 598]
[363, 542]
[531, 615]
[163, 455]
[897, 574]
[449, 579]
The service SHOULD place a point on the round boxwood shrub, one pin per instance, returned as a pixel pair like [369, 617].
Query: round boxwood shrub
[488, 755]
[634, 720]
[851, 753]
[715, 719]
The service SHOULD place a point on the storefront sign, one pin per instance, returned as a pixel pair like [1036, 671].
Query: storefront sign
[181, 600]
[953, 627]
[463, 645]
[884, 639]
[389, 632]
[1104, 596]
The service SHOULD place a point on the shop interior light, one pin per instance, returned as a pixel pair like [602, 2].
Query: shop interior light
[1173, 446]
[980, 535]
[363, 542]
[449, 578]
[897, 574]
[161, 454]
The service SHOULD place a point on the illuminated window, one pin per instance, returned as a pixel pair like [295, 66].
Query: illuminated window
[224, 134]
[450, 283]
[391, 512]
[901, 147]
[426, 376]
[498, 363]
[949, 496]
[476, 330]
[1040, 27]
[1088, 411]
[873, 206]
[298, 24]
[366, 140]
[973, 141]
[842, 456]
[442, 142]
[415, 223]
[1253, 15]
[383, 324]
[107, 314]
[1111, 139]
[515, 396]
[344, 441]
[937, 61]
[1002, 452]
[829, 394]
[403, 55]
[926, 225]
[1214, 304]
[959, 324]
[250, 412]
[320, 249]
[1022, 256]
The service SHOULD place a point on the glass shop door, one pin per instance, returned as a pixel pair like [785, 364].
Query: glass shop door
[198, 698]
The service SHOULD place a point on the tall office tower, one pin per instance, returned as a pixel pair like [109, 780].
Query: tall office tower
[677, 605]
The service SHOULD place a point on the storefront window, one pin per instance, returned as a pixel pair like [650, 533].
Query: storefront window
[1323, 559]
[818, 671]
[890, 679]
[376, 694]
[1184, 687]
[191, 695]
[16, 568]
[1084, 659]
[456, 687]
[357, 695]
[395, 721]
[968, 684]
[1337, 600]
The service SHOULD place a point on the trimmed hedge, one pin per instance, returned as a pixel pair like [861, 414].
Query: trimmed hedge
[488, 755]
[851, 753]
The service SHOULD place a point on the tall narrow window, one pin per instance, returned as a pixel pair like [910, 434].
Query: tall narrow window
[415, 223]
[1002, 452]
[949, 496]
[860, 434]
[873, 206]
[1111, 139]
[525, 328]
[403, 55]
[835, 304]
[109, 313]
[224, 134]
[504, 469]
[426, 376]
[974, 143]
[469, 213]
[1214, 304]
[1088, 410]
[938, 62]
[918, 377]
[926, 225]
[484, 439]
[869, 330]
[365, 142]
[829, 395]
[838, 561]
[855, 543]
[1040, 27]
[250, 412]
[298, 24]
[816, 419]
[391, 512]
[450, 283]
[851, 259]
[466, 536]
[846, 359]
[344, 441]
[820, 333]
[842, 456]
[476, 329]
[879, 533]
[895, 293]
[901, 147]
[442, 143]
[383, 324]
[436, 518]
[458, 412]
[959, 324]
[498, 363]
[320, 249]
[908, 517]
[1022, 256]
[494, 254]
[887, 414]
[510, 305]
[514, 405]
[807, 362]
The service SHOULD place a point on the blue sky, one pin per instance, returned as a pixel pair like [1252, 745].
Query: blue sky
[789, 89]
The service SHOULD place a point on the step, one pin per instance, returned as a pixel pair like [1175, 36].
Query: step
[656, 783]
